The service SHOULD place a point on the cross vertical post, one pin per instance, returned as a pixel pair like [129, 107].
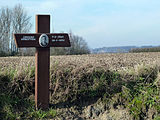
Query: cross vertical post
[42, 63]
[42, 40]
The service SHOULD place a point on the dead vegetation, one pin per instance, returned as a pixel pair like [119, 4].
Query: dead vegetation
[128, 80]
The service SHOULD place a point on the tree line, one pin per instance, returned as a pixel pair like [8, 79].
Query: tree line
[138, 50]
[16, 20]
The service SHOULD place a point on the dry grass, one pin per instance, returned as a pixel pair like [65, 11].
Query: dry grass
[68, 72]
[105, 61]
[83, 76]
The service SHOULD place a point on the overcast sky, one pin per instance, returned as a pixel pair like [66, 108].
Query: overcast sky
[102, 23]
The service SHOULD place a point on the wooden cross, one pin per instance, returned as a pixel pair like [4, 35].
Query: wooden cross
[42, 41]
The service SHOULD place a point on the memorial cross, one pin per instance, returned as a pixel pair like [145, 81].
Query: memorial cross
[42, 40]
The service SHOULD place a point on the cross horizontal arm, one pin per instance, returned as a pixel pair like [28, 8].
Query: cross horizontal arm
[32, 40]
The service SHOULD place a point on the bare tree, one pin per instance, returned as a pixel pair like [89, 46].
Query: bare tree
[20, 23]
[78, 45]
[12, 20]
[5, 29]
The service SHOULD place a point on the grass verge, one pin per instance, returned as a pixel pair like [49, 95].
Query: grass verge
[138, 91]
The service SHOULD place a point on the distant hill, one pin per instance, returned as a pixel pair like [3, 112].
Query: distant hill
[118, 49]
